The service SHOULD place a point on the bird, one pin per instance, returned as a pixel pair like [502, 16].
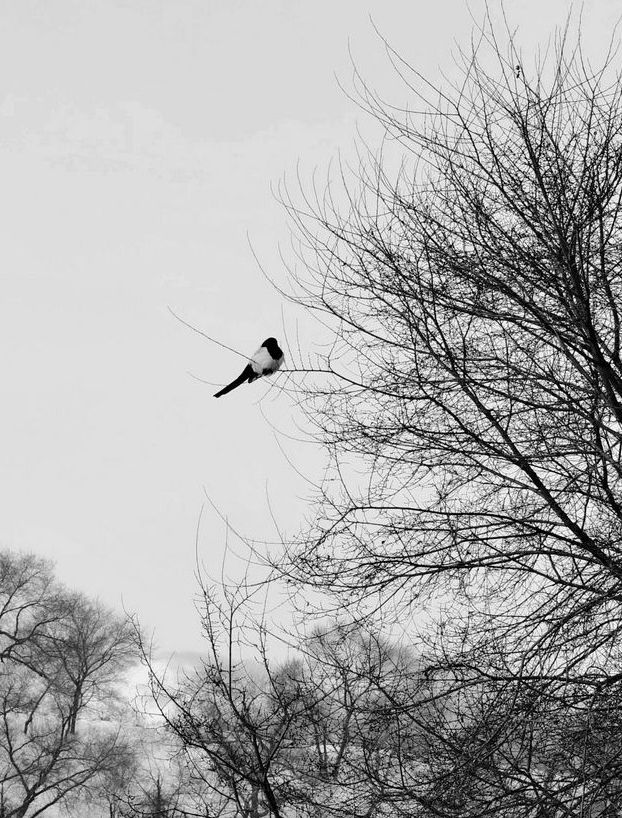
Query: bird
[265, 361]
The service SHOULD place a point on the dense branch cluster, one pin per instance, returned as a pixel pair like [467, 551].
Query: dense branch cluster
[478, 310]
[476, 375]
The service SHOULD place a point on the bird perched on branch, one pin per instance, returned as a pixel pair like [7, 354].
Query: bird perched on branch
[265, 361]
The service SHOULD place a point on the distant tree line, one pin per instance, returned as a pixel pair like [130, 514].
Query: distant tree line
[350, 722]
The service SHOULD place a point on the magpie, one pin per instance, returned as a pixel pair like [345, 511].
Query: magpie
[265, 361]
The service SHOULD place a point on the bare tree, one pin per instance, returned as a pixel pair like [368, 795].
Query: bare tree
[89, 653]
[320, 732]
[61, 655]
[476, 373]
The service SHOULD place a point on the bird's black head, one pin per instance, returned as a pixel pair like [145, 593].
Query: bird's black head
[272, 346]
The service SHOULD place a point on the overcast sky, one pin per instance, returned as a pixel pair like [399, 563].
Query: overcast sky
[139, 140]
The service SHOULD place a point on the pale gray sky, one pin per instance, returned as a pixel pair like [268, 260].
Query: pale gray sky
[138, 143]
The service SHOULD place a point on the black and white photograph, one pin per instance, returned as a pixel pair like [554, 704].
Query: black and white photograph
[310, 409]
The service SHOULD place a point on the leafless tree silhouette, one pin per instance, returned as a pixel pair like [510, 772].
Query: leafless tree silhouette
[321, 732]
[61, 656]
[473, 408]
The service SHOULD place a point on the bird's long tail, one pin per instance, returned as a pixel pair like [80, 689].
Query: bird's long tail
[246, 375]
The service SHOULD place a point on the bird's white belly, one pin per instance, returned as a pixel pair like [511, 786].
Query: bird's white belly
[263, 363]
